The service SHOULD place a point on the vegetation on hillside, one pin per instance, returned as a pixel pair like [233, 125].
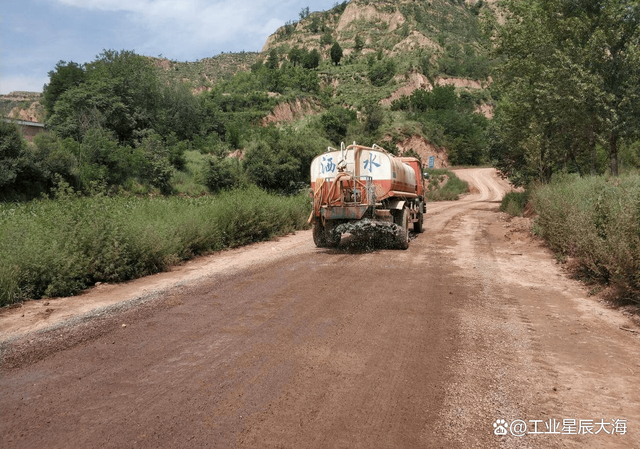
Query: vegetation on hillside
[126, 121]
[449, 119]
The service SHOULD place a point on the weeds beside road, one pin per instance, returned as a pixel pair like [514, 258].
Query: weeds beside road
[595, 220]
[444, 185]
[60, 247]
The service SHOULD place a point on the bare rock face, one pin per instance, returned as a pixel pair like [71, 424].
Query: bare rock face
[424, 148]
[356, 11]
[22, 106]
[485, 109]
[289, 111]
[413, 41]
[34, 113]
[414, 81]
[459, 82]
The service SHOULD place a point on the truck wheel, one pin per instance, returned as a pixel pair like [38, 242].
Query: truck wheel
[332, 238]
[402, 220]
[319, 237]
[417, 226]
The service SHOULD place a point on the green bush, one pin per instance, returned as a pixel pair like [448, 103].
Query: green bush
[222, 173]
[381, 72]
[59, 247]
[335, 122]
[513, 203]
[451, 190]
[597, 221]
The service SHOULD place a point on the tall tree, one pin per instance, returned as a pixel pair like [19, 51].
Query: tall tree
[336, 53]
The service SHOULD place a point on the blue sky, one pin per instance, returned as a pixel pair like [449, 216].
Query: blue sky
[36, 34]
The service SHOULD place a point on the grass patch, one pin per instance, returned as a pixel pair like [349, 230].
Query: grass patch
[60, 247]
[596, 220]
[190, 181]
[444, 185]
[513, 203]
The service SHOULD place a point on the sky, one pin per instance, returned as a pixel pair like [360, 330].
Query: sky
[36, 34]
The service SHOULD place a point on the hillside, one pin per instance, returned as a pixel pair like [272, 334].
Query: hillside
[412, 76]
[430, 43]
[393, 48]
[22, 106]
[203, 74]
[441, 37]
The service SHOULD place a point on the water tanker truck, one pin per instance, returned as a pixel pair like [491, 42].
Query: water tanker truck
[365, 189]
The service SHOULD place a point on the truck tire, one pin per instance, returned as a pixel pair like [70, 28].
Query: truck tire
[319, 237]
[402, 220]
[331, 237]
[417, 226]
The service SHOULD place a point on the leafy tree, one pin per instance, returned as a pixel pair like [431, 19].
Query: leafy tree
[156, 168]
[339, 7]
[92, 104]
[120, 92]
[326, 38]
[314, 26]
[425, 65]
[62, 78]
[269, 168]
[273, 61]
[312, 60]
[381, 72]
[296, 56]
[11, 154]
[180, 113]
[279, 159]
[103, 160]
[222, 173]
[359, 43]
[289, 27]
[335, 122]
[374, 117]
[404, 31]
[336, 53]
[56, 158]
[441, 97]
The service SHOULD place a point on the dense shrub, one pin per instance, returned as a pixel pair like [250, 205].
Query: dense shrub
[381, 72]
[514, 203]
[222, 173]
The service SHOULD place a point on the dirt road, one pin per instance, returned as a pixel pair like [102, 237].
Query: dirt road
[282, 345]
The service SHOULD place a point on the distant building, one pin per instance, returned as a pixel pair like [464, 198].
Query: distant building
[28, 129]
